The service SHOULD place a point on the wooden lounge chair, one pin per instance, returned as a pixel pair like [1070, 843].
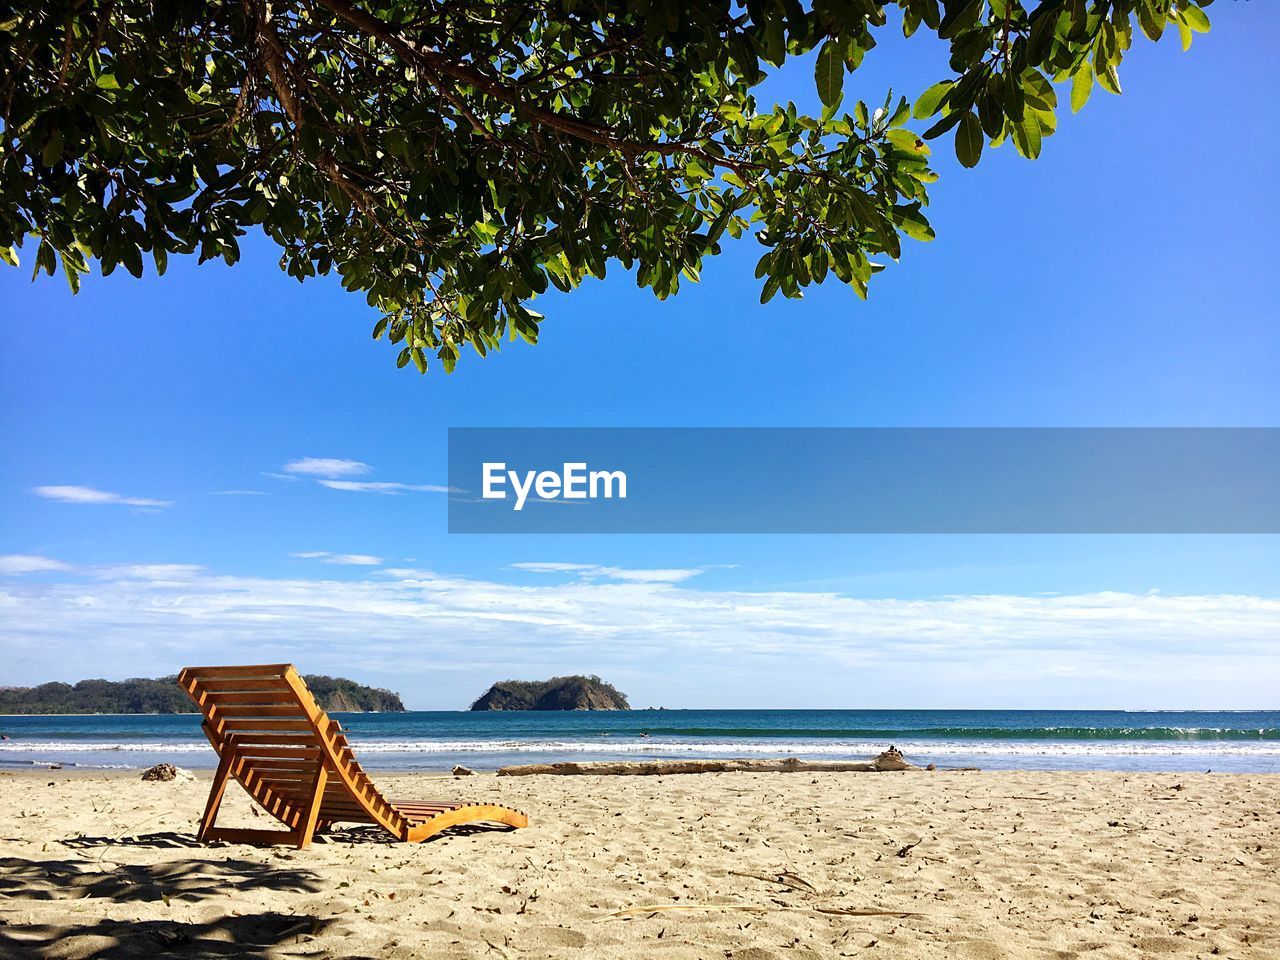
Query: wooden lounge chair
[273, 738]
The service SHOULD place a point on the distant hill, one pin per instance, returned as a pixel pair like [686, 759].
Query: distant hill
[141, 695]
[558, 693]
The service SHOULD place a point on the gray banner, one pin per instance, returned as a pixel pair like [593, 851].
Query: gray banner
[864, 480]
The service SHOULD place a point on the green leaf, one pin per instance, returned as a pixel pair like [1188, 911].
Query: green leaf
[1104, 69]
[770, 288]
[1107, 77]
[943, 125]
[775, 39]
[930, 102]
[908, 141]
[964, 14]
[1027, 136]
[912, 222]
[9, 255]
[969, 140]
[991, 113]
[107, 81]
[46, 259]
[863, 212]
[1081, 86]
[1150, 19]
[72, 274]
[901, 114]
[52, 152]
[829, 73]
[1196, 19]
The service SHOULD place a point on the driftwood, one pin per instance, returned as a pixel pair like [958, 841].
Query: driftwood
[890, 760]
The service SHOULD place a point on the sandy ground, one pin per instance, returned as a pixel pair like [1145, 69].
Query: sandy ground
[740, 866]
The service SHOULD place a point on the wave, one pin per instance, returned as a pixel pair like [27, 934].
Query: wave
[983, 733]
[773, 746]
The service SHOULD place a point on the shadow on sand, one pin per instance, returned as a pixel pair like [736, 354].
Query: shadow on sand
[252, 935]
[189, 880]
[340, 835]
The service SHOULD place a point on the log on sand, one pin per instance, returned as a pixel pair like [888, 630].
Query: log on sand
[890, 760]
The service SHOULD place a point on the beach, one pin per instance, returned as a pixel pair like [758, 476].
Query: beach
[740, 866]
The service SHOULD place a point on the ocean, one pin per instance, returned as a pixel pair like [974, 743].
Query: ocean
[1226, 741]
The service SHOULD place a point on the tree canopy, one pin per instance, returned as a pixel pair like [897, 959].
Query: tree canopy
[141, 695]
[454, 159]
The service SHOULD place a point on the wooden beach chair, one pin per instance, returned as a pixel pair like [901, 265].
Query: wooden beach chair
[294, 761]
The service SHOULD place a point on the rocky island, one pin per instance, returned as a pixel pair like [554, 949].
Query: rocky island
[558, 693]
[163, 695]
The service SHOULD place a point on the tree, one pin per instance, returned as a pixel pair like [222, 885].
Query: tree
[452, 159]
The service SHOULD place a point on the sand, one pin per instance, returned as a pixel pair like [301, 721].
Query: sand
[757, 866]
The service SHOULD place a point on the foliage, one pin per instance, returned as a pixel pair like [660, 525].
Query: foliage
[558, 693]
[454, 160]
[142, 695]
[338, 694]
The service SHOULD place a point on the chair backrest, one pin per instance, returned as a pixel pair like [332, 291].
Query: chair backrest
[266, 719]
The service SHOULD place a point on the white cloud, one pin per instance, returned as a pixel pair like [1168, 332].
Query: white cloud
[335, 474]
[73, 494]
[553, 567]
[408, 573]
[28, 563]
[671, 575]
[345, 559]
[327, 467]
[591, 570]
[158, 573]
[664, 642]
[383, 486]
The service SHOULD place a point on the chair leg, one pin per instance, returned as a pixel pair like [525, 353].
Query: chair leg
[215, 793]
[307, 825]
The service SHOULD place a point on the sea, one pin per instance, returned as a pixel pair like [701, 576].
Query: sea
[1223, 742]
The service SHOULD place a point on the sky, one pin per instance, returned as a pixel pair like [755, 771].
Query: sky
[220, 465]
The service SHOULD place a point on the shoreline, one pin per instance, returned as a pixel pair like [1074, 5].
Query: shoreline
[206, 773]
[635, 710]
[1133, 765]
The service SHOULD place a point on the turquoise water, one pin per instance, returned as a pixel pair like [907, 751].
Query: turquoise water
[1229, 741]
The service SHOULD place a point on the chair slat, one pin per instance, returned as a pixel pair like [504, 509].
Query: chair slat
[283, 740]
[231, 684]
[249, 710]
[263, 671]
[301, 751]
[265, 698]
[267, 723]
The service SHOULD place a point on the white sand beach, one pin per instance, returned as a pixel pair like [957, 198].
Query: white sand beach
[738, 866]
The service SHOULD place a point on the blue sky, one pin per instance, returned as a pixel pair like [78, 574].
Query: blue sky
[1124, 279]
